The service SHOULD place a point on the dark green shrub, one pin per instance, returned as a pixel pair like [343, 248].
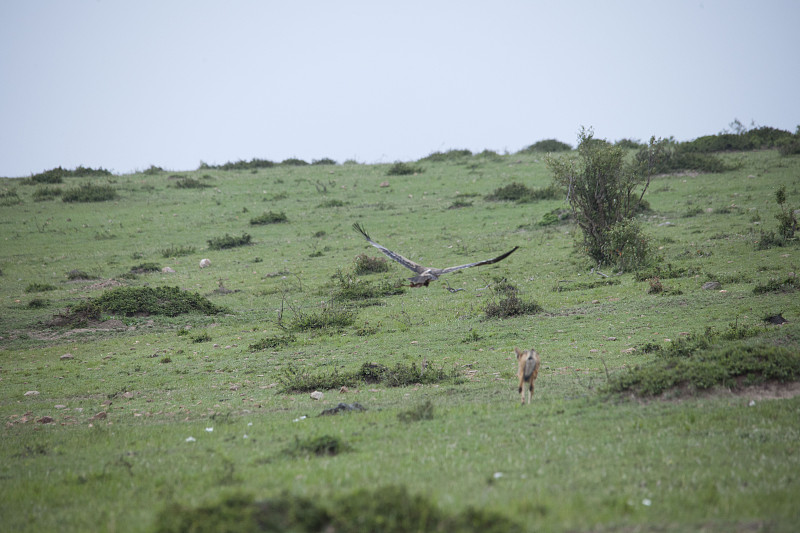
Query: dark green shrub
[786, 218]
[269, 218]
[131, 301]
[177, 251]
[145, 268]
[39, 287]
[421, 411]
[790, 146]
[152, 170]
[789, 284]
[78, 275]
[517, 192]
[741, 139]
[555, 216]
[510, 306]
[401, 375]
[546, 146]
[42, 194]
[38, 303]
[450, 155]
[332, 203]
[9, 197]
[272, 342]
[628, 144]
[404, 169]
[323, 161]
[221, 243]
[320, 446]
[253, 164]
[190, 183]
[329, 317]
[365, 264]
[90, 193]
[57, 174]
[294, 162]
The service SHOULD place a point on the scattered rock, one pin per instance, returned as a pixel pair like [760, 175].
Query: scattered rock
[32, 393]
[67, 356]
[384, 184]
[102, 415]
[59, 406]
[205, 263]
[168, 270]
[344, 390]
[343, 407]
[46, 420]
[711, 285]
[316, 395]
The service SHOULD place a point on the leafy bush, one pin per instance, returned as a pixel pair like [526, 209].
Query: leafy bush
[741, 139]
[57, 174]
[421, 411]
[404, 169]
[401, 375]
[329, 317]
[788, 284]
[239, 165]
[269, 218]
[9, 197]
[510, 306]
[450, 155]
[555, 216]
[786, 218]
[177, 251]
[386, 509]
[517, 192]
[294, 162]
[272, 342]
[332, 203]
[365, 264]
[323, 161]
[145, 268]
[78, 275]
[40, 287]
[190, 183]
[221, 243]
[130, 301]
[546, 146]
[42, 194]
[90, 193]
[628, 144]
[319, 446]
[605, 193]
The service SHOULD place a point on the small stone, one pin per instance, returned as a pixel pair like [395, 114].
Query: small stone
[102, 415]
[384, 184]
[711, 285]
[316, 395]
[205, 263]
[32, 393]
[46, 420]
[168, 270]
[67, 356]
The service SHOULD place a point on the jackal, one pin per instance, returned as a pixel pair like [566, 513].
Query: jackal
[528, 369]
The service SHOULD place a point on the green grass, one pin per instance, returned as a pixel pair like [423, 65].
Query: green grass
[458, 448]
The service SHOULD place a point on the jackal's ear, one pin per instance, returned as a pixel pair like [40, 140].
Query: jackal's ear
[533, 350]
[518, 351]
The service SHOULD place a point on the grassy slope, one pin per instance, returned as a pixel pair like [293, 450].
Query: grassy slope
[572, 460]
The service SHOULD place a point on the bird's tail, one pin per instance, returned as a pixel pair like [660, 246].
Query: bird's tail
[361, 230]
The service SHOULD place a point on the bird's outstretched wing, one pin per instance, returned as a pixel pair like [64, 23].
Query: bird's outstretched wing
[409, 264]
[487, 262]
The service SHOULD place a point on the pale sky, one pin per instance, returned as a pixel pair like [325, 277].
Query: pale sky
[123, 85]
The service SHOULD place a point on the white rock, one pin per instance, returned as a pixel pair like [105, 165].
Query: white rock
[32, 393]
[316, 395]
[204, 263]
[168, 270]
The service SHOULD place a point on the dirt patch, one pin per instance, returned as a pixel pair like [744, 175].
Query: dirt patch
[104, 284]
[772, 390]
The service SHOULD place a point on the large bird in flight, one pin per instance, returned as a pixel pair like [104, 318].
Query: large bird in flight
[425, 274]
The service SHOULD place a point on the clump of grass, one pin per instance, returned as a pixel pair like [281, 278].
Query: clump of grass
[269, 218]
[556, 216]
[57, 174]
[421, 411]
[329, 317]
[511, 305]
[323, 161]
[401, 375]
[324, 445]
[202, 336]
[584, 285]
[458, 204]
[545, 146]
[90, 193]
[228, 241]
[404, 169]
[656, 286]
[79, 275]
[294, 162]
[449, 155]
[38, 303]
[788, 284]
[39, 287]
[42, 194]
[145, 268]
[517, 192]
[132, 301]
[177, 251]
[272, 342]
[9, 197]
[365, 264]
[190, 183]
[349, 288]
[389, 509]
[332, 203]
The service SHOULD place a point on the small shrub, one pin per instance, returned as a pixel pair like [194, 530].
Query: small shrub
[421, 411]
[131, 301]
[510, 306]
[90, 193]
[329, 317]
[349, 288]
[786, 218]
[39, 287]
[79, 275]
[202, 336]
[57, 174]
[365, 264]
[459, 204]
[545, 146]
[190, 183]
[222, 243]
[319, 446]
[294, 162]
[269, 218]
[42, 194]
[404, 169]
[9, 197]
[517, 192]
[789, 284]
[401, 375]
[177, 251]
[268, 343]
[655, 286]
[450, 155]
[332, 203]
[556, 216]
[628, 144]
[253, 164]
[152, 170]
[38, 303]
[323, 161]
[145, 268]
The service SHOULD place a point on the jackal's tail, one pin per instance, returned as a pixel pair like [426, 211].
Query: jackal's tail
[531, 366]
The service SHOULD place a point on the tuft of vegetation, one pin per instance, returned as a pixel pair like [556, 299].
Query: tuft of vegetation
[788, 284]
[228, 241]
[39, 287]
[79, 275]
[365, 264]
[38, 303]
[324, 445]
[510, 306]
[421, 411]
[332, 203]
[190, 183]
[177, 251]
[556, 216]
[546, 146]
[787, 221]
[271, 343]
[450, 155]
[90, 193]
[739, 139]
[294, 162]
[629, 144]
[328, 317]
[401, 375]
[564, 286]
[253, 164]
[388, 509]
[349, 288]
[517, 192]
[57, 175]
[323, 161]
[42, 194]
[404, 169]
[9, 197]
[145, 268]
[269, 218]
[133, 301]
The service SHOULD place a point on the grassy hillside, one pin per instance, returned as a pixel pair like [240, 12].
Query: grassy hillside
[132, 410]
